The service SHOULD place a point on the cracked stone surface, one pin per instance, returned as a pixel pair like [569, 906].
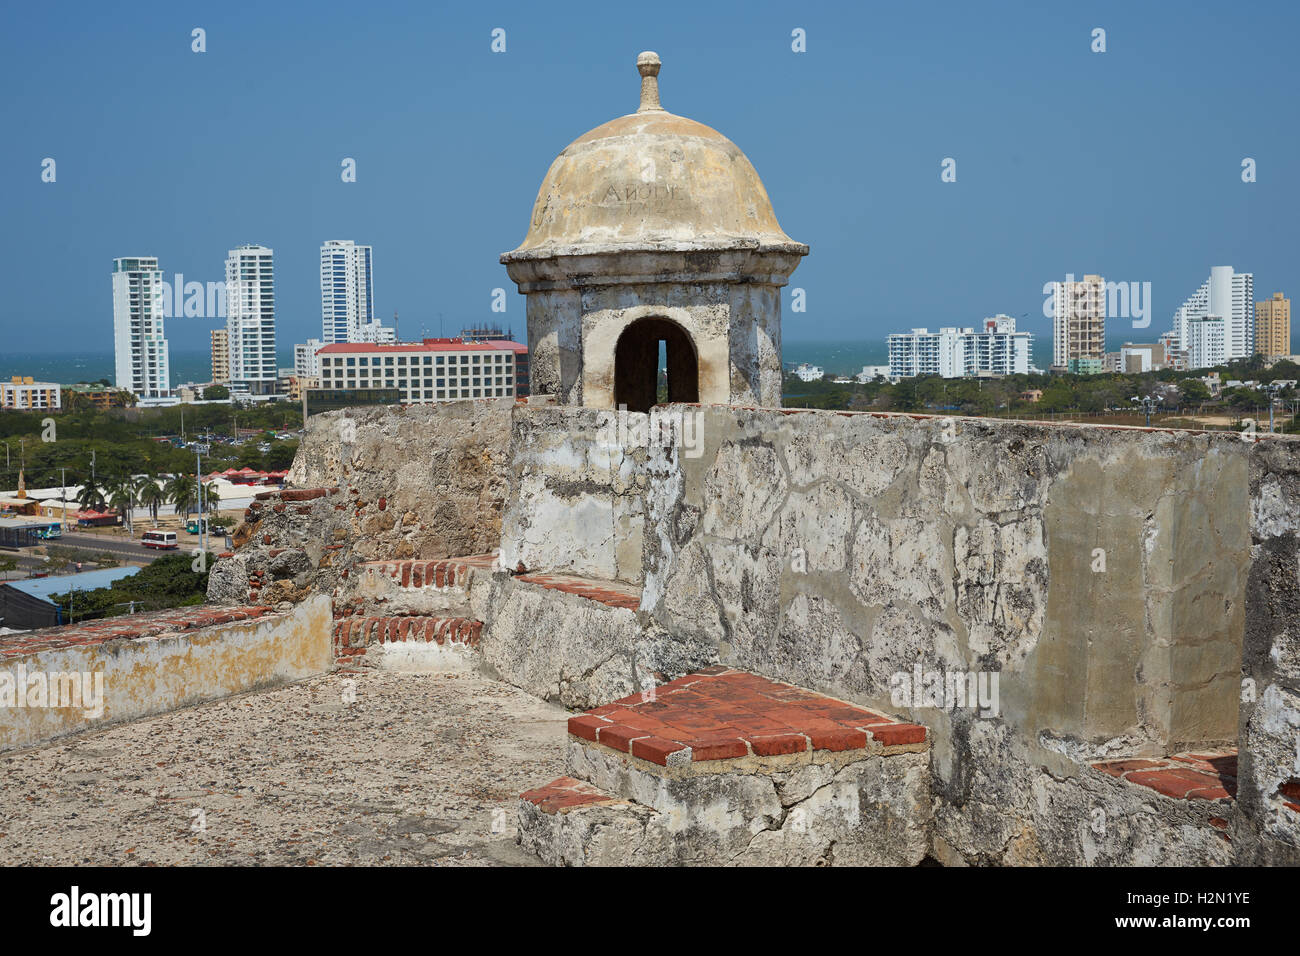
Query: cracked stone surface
[419, 770]
[815, 809]
[576, 652]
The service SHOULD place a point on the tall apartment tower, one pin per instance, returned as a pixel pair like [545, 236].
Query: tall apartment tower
[250, 319]
[347, 300]
[220, 357]
[1273, 326]
[1230, 296]
[1079, 323]
[139, 345]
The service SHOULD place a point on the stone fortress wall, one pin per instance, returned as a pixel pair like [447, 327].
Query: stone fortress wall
[1109, 577]
[1133, 592]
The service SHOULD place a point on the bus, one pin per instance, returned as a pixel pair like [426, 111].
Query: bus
[161, 540]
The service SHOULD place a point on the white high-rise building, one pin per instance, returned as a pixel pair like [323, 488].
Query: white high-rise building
[347, 300]
[305, 362]
[1230, 296]
[1205, 340]
[139, 345]
[250, 319]
[996, 349]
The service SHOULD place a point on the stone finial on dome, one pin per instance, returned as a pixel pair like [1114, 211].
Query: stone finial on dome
[647, 65]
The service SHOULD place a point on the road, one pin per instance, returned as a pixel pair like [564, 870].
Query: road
[98, 544]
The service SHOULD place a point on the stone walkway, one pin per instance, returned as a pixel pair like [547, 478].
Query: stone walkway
[420, 769]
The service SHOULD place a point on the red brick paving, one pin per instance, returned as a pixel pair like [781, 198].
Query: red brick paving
[1197, 775]
[719, 713]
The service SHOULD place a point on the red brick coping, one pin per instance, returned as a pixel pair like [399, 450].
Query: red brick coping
[126, 627]
[719, 713]
[456, 571]
[295, 494]
[1199, 775]
[612, 593]
[353, 634]
[565, 793]
[424, 574]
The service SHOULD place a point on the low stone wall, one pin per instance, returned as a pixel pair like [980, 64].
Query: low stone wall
[65, 680]
[440, 469]
[566, 648]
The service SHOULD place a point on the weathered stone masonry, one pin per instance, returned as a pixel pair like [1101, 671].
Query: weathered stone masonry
[1101, 573]
[1148, 703]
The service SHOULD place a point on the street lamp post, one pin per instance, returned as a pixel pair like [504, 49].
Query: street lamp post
[1148, 405]
[199, 449]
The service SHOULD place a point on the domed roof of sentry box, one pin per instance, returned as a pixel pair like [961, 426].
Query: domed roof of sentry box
[651, 180]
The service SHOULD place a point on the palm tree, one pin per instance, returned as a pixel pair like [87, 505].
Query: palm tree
[121, 498]
[179, 490]
[150, 496]
[90, 498]
[211, 498]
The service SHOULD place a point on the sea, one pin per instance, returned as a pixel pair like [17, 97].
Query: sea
[67, 368]
[837, 357]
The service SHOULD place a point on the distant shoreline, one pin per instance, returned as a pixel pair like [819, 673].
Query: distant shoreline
[836, 356]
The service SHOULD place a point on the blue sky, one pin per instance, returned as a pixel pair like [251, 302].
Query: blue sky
[1126, 163]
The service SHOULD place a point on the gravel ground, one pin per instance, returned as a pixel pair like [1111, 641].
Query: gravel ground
[419, 769]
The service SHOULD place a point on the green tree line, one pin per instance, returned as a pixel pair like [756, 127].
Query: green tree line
[170, 581]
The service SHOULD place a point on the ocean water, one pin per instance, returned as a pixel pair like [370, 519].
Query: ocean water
[69, 367]
[847, 357]
[837, 357]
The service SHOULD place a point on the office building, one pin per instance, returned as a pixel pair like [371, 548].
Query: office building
[432, 370]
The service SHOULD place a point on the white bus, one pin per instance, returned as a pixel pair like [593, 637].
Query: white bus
[162, 540]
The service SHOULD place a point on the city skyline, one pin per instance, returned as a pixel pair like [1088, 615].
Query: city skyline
[1154, 210]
